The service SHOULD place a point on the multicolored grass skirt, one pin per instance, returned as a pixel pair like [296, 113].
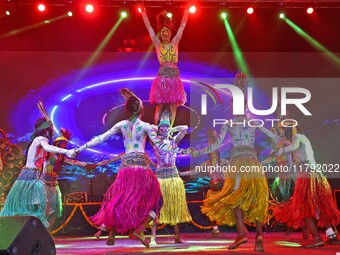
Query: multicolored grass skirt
[27, 196]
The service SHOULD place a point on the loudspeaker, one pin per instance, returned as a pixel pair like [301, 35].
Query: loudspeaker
[24, 235]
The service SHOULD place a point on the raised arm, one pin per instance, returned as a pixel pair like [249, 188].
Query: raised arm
[152, 34]
[101, 138]
[157, 140]
[216, 145]
[180, 30]
[182, 131]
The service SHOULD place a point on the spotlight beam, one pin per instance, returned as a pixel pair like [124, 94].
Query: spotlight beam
[99, 49]
[314, 43]
[24, 29]
[240, 61]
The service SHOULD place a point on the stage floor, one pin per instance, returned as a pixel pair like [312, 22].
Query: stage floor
[274, 243]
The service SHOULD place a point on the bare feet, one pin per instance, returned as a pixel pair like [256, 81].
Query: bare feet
[305, 233]
[333, 241]
[239, 240]
[110, 240]
[98, 233]
[259, 244]
[314, 243]
[179, 240]
[153, 242]
[215, 234]
[140, 236]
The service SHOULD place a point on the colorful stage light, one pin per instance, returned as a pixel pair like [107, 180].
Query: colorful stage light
[282, 15]
[250, 10]
[139, 9]
[224, 15]
[8, 13]
[41, 7]
[310, 10]
[192, 9]
[169, 14]
[70, 14]
[123, 14]
[89, 8]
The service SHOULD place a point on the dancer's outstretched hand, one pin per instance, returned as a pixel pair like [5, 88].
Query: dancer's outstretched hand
[279, 152]
[192, 152]
[71, 153]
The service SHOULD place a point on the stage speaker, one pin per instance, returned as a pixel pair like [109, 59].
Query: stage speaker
[24, 235]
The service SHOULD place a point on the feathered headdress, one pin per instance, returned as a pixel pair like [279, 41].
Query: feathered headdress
[47, 123]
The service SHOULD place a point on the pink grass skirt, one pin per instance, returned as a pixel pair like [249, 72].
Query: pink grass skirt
[167, 87]
[129, 200]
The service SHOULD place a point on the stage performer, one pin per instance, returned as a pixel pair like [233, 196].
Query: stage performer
[167, 91]
[27, 196]
[216, 177]
[312, 198]
[52, 166]
[102, 228]
[134, 199]
[245, 195]
[283, 185]
[175, 209]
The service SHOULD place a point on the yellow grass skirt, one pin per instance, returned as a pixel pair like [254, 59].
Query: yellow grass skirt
[175, 209]
[251, 196]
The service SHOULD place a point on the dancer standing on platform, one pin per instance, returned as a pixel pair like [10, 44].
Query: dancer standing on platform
[216, 177]
[312, 198]
[175, 209]
[27, 196]
[134, 199]
[245, 194]
[167, 90]
[52, 166]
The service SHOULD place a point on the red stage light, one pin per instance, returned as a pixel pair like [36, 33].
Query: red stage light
[192, 9]
[250, 10]
[41, 7]
[139, 9]
[310, 10]
[89, 8]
